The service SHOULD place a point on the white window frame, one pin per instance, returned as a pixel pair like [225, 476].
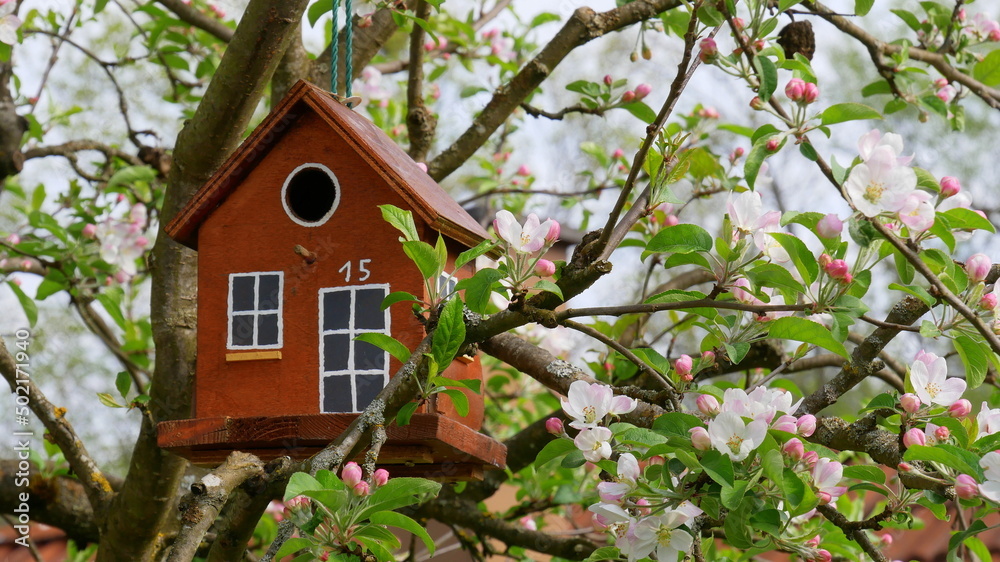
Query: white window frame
[446, 283]
[351, 332]
[256, 275]
[336, 196]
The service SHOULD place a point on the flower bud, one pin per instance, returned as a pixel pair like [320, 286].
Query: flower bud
[823, 555]
[830, 226]
[988, 302]
[708, 405]
[643, 502]
[608, 80]
[910, 402]
[89, 231]
[757, 103]
[810, 93]
[647, 53]
[736, 154]
[960, 408]
[700, 438]
[362, 489]
[628, 97]
[942, 433]
[886, 539]
[528, 523]
[708, 357]
[978, 266]
[739, 24]
[814, 542]
[683, 365]
[351, 475]
[795, 89]
[825, 260]
[524, 170]
[671, 220]
[838, 269]
[786, 423]
[806, 425]
[794, 449]
[709, 50]
[772, 145]
[13, 239]
[554, 426]
[913, 437]
[553, 233]
[810, 458]
[642, 90]
[120, 276]
[708, 113]
[904, 467]
[634, 56]
[380, 477]
[824, 497]
[966, 487]
[618, 153]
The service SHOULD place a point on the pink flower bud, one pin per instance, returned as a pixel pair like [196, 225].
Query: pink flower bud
[794, 449]
[553, 233]
[671, 220]
[904, 467]
[642, 90]
[683, 365]
[830, 226]
[825, 260]
[950, 186]
[26, 265]
[708, 404]
[966, 487]
[429, 45]
[142, 241]
[700, 438]
[814, 542]
[910, 402]
[608, 80]
[708, 113]
[297, 503]
[709, 49]
[628, 97]
[837, 269]
[886, 539]
[960, 408]
[642, 502]
[708, 357]
[807, 425]
[961, 14]
[362, 488]
[13, 239]
[736, 154]
[810, 458]
[823, 555]
[351, 474]
[219, 12]
[988, 302]
[365, 21]
[942, 433]
[758, 45]
[756, 103]
[913, 437]
[528, 523]
[618, 153]
[772, 145]
[16, 280]
[978, 266]
[524, 170]
[786, 423]
[89, 231]
[795, 89]
[380, 477]
[739, 24]
[824, 497]
[811, 93]
[554, 426]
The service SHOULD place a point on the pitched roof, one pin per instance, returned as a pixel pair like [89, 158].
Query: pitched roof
[427, 199]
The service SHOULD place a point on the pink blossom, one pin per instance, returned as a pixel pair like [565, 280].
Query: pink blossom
[381, 476]
[554, 426]
[683, 365]
[811, 93]
[794, 449]
[89, 231]
[929, 375]
[950, 186]
[587, 404]
[806, 425]
[810, 458]
[628, 96]
[13, 239]
[966, 487]
[989, 301]
[219, 12]
[942, 433]
[524, 170]
[528, 523]
[830, 226]
[947, 93]
[772, 144]
[628, 474]
[827, 475]
[554, 228]
[545, 268]
[708, 357]
[785, 423]
[913, 437]
[709, 49]
[618, 153]
[916, 211]
[904, 467]
[837, 269]
[362, 489]
[700, 438]
[978, 266]
[708, 113]
[351, 474]
[608, 80]
[910, 402]
[731, 435]
[823, 555]
[708, 404]
[642, 90]
[795, 89]
[880, 184]
[594, 443]
[527, 239]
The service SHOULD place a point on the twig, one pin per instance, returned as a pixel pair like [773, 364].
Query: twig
[32, 547]
[193, 16]
[420, 121]
[558, 115]
[852, 531]
[553, 192]
[644, 308]
[54, 56]
[610, 342]
[881, 324]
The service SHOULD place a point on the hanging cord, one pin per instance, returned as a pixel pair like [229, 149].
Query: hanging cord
[335, 49]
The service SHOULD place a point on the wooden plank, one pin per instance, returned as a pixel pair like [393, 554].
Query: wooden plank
[253, 355]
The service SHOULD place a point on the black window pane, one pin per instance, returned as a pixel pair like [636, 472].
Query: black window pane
[337, 394]
[369, 315]
[243, 293]
[267, 329]
[269, 296]
[368, 388]
[335, 350]
[367, 357]
[242, 330]
[336, 310]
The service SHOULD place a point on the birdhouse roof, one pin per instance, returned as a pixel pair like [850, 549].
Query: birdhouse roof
[427, 199]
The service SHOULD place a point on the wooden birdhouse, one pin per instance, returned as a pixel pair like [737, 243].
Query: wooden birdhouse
[294, 260]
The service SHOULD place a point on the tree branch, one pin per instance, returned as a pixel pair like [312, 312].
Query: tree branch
[189, 14]
[420, 121]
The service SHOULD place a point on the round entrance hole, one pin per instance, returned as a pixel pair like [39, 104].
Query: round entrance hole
[310, 194]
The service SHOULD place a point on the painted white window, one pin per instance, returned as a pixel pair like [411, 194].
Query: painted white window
[255, 303]
[446, 284]
[352, 372]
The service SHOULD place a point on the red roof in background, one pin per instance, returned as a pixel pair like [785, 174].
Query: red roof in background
[429, 201]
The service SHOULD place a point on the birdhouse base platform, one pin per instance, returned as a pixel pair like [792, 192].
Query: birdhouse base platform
[431, 446]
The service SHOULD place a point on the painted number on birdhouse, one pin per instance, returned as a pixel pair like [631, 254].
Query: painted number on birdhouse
[351, 372]
[255, 310]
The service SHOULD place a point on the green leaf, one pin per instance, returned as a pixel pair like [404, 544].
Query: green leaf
[968, 219]
[317, 10]
[108, 400]
[758, 153]
[865, 472]
[549, 287]
[397, 296]
[478, 288]
[292, 546]
[123, 382]
[131, 175]
[916, 291]
[605, 553]
[773, 275]
[719, 467]
[402, 220]
[737, 531]
[640, 110]
[458, 399]
[974, 358]
[386, 343]
[732, 496]
[862, 7]
[737, 351]
[405, 413]
[800, 329]
[449, 333]
[987, 70]
[401, 521]
[942, 454]
[27, 303]
[426, 258]
[397, 493]
[473, 253]
[802, 256]
[553, 450]
[792, 487]
[768, 74]
[681, 239]
[841, 112]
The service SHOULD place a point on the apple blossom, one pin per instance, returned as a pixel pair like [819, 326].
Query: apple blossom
[916, 211]
[660, 533]
[9, 22]
[950, 186]
[768, 223]
[554, 426]
[946, 93]
[628, 473]
[527, 239]
[730, 435]
[785, 423]
[744, 210]
[380, 477]
[351, 474]
[880, 184]
[700, 438]
[616, 520]
[622, 404]
[707, 404]
[683, 365]
[806, 425]
[827, 474]
[594, 443]
[960, 409]
[966, 487]
[793, 448]
[991, 470]
[874, 139]
[910, 402]
[528, 523]
[988, 421]
[830, 226]
[587, 403]
[928, 375]
[913, 437]
[810, 458]
[989, 301]
[978, 266]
